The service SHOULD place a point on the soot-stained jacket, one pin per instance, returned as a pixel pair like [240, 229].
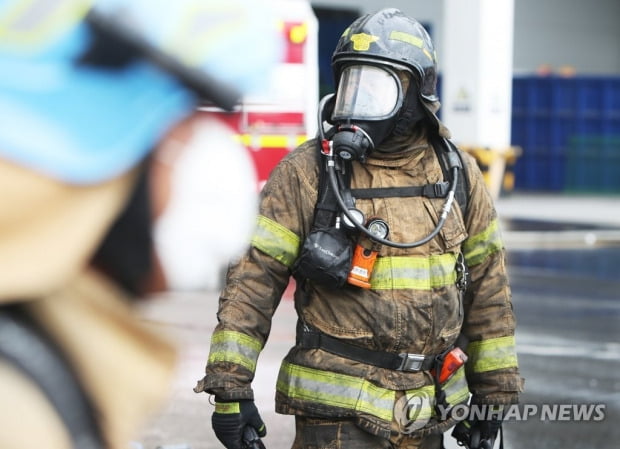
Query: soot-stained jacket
[413, 305]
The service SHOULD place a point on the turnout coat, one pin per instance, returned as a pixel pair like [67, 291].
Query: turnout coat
[413, 305]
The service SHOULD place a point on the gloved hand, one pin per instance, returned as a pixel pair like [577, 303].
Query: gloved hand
[230, 420]
[478, 434]
[488, 432]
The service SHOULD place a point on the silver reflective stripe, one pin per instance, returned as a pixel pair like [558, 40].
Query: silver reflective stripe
[276, 241]
[423, 400]
[234, 347]
[357, 394]
[480, 246]
[412, 272]
[336, 390]
[492, 354]
[456, 388]
[37, 22]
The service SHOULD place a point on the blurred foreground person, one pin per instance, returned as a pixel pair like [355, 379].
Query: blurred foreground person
[393, 240]
[106, 169]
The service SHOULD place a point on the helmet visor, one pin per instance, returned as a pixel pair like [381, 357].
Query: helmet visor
[367, 92]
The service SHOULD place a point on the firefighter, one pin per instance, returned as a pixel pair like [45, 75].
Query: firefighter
[371, 367]
[97, 113]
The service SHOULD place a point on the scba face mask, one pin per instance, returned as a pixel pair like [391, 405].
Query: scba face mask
[368, 102]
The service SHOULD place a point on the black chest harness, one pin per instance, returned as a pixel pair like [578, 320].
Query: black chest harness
[325, 256]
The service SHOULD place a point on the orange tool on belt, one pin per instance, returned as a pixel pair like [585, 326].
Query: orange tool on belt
[452, 361]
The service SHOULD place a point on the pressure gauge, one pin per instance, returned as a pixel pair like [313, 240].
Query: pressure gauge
[357, 215]
[378, 228]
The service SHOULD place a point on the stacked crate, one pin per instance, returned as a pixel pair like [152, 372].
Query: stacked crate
[569, 130]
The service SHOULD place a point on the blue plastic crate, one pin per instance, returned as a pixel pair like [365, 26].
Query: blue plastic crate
[565, 98]
[547, 113]
[590, 95]
[539, 172]
[611, 97]
[593, 164]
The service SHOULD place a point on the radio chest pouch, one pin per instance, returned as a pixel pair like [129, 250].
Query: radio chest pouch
[325, 257]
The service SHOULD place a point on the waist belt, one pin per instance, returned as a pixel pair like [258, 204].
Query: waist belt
[404, 361]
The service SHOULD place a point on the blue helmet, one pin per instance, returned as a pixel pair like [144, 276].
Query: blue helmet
[87, 88]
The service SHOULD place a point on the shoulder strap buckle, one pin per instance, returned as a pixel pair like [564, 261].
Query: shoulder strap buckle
[437, 190]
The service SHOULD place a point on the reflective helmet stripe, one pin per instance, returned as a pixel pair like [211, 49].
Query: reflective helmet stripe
[408, 38]
[39, 22]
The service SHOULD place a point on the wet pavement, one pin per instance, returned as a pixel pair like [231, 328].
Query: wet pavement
[563, 258]
[568, 340]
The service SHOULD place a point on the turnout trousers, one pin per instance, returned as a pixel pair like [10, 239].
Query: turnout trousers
[313, 433]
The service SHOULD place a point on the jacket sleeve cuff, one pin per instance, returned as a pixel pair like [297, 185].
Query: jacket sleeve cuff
[499, 387]
[502, 398]
[226, 391]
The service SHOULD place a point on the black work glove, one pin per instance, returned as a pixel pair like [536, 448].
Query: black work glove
[478, 434]
[230, 420]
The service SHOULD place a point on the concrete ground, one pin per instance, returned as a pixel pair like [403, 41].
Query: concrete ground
[530, 222]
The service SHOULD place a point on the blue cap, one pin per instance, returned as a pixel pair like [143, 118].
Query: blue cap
[85, 124]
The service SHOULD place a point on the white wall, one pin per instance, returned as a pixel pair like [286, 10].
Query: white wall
[582, 34]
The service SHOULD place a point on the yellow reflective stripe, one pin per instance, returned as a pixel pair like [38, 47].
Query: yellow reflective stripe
[227, 408]
[424, 408]
[336, 390]
[234, 347]
[354, 393]
[492, 354]
[407, 38]
[192, 41]
[409, 272]
[456, 388]
[38, 21]
[482, 245]
[271, 140]
[276, 241]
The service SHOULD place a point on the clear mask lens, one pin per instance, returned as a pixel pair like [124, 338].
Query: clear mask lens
[366, 92]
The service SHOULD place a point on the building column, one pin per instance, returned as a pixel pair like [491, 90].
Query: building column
[476, 67]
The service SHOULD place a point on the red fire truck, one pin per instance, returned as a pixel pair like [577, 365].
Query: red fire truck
[274, 122]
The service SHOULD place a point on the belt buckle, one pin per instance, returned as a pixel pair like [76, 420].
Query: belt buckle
[410, 362]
